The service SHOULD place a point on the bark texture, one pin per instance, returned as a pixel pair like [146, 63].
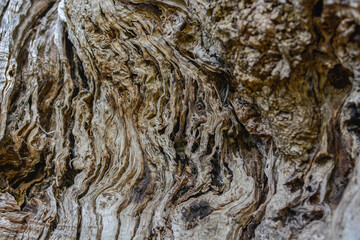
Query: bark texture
[179, 119]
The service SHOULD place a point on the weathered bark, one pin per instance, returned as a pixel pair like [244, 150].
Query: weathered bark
[179, 119]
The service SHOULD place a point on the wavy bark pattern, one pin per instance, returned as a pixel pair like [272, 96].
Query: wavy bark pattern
[179, 119]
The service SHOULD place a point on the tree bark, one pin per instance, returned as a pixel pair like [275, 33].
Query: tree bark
[172, 119]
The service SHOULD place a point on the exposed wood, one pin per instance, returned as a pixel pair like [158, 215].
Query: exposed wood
[172, 119]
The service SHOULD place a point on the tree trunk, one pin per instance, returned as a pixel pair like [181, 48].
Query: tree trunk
[172, 119]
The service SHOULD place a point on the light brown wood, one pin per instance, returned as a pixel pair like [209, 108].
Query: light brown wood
[171, 119]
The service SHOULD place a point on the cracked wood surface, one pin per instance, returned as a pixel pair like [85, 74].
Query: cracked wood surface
[172, 119]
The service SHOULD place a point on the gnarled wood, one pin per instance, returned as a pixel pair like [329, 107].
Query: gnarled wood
[179, 119]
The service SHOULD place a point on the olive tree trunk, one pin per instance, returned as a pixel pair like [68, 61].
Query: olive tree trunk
[179, 119]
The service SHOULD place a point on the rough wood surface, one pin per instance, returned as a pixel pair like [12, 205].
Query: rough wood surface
[179, 119]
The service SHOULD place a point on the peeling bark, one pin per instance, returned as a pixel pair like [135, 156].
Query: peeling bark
[179, 119]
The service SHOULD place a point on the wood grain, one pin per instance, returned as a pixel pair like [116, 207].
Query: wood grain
[171, 119]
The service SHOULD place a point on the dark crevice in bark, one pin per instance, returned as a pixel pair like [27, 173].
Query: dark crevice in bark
[141, 190]
[339, 77]
[318, 8]
[196, 212]
[70, 173]
[353, 124]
